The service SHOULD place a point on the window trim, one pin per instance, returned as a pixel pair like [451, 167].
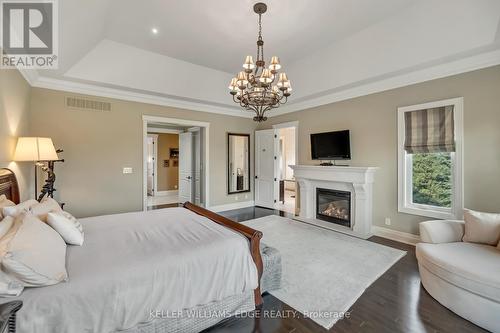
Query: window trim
[404, 182]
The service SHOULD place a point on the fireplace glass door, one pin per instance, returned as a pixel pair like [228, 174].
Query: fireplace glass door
[333, 206]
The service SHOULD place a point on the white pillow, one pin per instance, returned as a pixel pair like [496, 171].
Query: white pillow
[20, 208]
[36, 255]
[4, 202]
[41, 209]
[67, 226]
[481, 227]
[5, 225]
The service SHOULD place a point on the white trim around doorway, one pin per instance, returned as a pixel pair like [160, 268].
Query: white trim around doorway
[153, 129]
[294, 124]
[276, 127]
[155, 164]
[181, 122]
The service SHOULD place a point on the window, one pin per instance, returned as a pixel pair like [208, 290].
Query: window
[430, 159]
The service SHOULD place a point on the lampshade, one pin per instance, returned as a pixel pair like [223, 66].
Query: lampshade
[266, 76]
[275, 64]
[283, 77]
[242, 80]
[35, 149]
[249, 63]
[234, 84]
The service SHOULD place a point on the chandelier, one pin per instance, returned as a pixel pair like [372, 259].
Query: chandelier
[257, 88]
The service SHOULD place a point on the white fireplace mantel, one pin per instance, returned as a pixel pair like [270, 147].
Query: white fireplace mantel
[357, 180]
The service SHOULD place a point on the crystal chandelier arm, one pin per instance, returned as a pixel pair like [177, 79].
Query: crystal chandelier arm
[235, 99]
[280, 100]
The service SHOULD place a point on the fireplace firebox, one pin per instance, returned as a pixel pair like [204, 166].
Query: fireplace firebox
[333, 206]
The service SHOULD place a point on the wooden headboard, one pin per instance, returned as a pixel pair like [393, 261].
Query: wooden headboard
[8, 185]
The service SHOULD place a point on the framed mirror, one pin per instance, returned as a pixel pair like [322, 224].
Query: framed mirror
[238, 163]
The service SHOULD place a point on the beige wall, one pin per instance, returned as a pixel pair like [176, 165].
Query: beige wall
[372, 120]
[97, 145]
[168, 177]
[14, 116]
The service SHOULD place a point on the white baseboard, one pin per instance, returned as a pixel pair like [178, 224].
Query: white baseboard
[236, 205]
[395, 235]
[165, 193]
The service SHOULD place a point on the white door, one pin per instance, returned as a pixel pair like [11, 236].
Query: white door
[186, 167]
[266, 185]
[197, 166]
[151, 164]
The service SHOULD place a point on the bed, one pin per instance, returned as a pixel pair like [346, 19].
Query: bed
[172, 270]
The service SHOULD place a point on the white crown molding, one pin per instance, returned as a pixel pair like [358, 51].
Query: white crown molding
[479, 61]
[30, 75]
[483, 60]
[398, 236]
[122, 94]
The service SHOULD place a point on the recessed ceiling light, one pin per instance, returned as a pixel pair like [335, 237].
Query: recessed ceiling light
[154, 31]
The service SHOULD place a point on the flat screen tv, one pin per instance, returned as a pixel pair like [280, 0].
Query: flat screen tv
[331, 146]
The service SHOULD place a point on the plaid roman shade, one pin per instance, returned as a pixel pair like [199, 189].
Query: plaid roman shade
[430, 130]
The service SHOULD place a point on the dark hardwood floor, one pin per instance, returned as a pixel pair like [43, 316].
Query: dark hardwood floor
[164, 206]
[396, 302]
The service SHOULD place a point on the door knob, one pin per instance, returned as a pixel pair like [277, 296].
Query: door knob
[188, 177]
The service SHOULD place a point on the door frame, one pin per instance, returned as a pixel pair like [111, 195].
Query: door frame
[277, 127]
[155, 164]
[205, 158]
[294, 124]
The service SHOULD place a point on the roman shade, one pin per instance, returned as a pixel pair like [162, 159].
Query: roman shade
[430, 130]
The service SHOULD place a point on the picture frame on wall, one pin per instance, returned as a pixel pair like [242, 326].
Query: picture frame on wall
[174, 153]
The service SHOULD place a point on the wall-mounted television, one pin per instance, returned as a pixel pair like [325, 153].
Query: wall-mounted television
[331, 145]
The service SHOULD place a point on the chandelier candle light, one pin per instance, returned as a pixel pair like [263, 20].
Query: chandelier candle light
[257, 88]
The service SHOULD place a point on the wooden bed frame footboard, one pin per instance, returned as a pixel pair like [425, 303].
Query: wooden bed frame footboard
[252, 235]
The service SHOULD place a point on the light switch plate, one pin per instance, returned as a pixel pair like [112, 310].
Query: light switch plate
[127, 170]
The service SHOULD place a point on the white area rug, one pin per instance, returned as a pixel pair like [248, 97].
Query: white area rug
[324, 272]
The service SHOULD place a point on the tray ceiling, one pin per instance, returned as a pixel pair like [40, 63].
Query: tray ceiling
[329, 48]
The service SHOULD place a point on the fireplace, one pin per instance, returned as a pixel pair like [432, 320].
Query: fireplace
[333, 206]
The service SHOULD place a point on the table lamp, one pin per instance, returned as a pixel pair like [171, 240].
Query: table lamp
[38, 150]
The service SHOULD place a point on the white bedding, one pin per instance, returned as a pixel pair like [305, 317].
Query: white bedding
[131, 264]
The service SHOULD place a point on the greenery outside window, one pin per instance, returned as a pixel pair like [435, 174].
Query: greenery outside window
[430, 170]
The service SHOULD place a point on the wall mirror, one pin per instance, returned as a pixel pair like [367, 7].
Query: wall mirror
[238, 163]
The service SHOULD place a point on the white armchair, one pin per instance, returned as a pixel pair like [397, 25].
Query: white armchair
[435, 232]
[464, 277]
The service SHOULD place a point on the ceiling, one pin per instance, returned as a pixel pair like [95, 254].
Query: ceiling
[331, 49]
[221, 33]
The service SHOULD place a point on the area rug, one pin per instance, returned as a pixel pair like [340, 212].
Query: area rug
[324, 272]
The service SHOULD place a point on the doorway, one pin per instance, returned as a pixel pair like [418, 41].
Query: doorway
[163, 165]
[175, 162]
[286, 156]
[275, 150]
[151, 164]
